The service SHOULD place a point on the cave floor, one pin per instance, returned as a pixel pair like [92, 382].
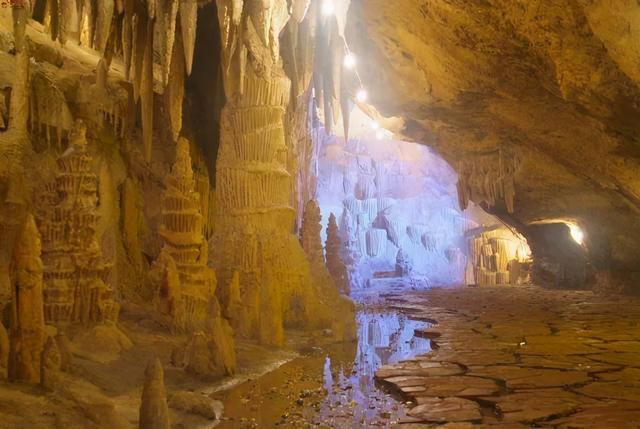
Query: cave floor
[502, 357]
[521, 357]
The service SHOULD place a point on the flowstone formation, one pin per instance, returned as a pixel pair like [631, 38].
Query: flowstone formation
[254, 210]
[75, 287]
[498, 257]
[27, 334]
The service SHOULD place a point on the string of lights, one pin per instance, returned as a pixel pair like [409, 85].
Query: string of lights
[350, 63]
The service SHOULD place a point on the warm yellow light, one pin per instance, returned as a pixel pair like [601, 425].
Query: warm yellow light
[328, 7]
[576, 233]
[350, 61]
[361, 95]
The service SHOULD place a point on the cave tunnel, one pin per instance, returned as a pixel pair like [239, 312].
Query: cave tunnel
[319, 213]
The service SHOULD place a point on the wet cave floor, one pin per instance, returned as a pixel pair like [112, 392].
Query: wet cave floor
[512, 357]
[331, 386]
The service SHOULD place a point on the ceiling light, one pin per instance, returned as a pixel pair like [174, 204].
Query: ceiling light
[350, 61]
[361, 95]
[328, 7]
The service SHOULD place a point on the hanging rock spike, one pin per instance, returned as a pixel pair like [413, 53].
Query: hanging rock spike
[169, 37]
[188, 25]
[104, 14]
[146, 94]
[174, 92]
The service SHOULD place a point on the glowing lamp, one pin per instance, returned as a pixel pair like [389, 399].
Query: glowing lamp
[375, 125]
[379, 134]
[328, 7]
[576, 233]
[361, 95]
[350, 61]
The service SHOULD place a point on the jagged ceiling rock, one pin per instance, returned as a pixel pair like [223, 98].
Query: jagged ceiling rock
[556, 81]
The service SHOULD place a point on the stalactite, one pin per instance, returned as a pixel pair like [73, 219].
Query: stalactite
[20, 15]
[168, 32]
[103, 18]
[174, 93]
[65, 17]
[188, 19]
[87, 22]
[487, 177]
[146, 94]
[51, 16]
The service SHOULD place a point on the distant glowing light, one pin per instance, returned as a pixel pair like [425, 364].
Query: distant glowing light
[379, 134]
[576, 233]
[350, 61]
[328, 7]
[361, 95]
[375, 125]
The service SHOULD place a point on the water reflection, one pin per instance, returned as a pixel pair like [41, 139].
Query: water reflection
[353, 400]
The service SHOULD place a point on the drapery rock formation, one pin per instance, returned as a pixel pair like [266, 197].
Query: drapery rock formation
[554, 83]
[27, 335]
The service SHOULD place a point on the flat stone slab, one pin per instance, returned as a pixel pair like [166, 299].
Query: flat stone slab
[418, 368]
[536, 405]
[611, 390]
[446, 410]
[528, 378]
[618, 416]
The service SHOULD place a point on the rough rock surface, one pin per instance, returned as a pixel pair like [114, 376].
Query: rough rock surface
[554, 82]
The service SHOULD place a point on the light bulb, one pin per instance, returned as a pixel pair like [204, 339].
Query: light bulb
[379, 134]
[361, 95]
[375, 125]
[350, 61]
[328, 7]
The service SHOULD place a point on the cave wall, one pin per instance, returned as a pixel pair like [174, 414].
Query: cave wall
[552, 82]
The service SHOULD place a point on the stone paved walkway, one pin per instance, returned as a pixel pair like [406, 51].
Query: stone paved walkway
[521, 357]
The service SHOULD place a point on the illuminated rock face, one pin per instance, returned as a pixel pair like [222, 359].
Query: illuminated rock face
[74, 270]
[555, 84]
[393, 197]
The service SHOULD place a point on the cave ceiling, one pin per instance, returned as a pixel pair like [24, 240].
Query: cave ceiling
[555, 83]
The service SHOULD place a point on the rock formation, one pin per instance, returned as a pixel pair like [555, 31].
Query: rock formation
[74, 271]
[310, 234]
[335, 264]
[154, 411]
[188, 285]
[4, 352]
[26, 334]
[498, 257]
[51, 365]
[404, 266]
[254, 211]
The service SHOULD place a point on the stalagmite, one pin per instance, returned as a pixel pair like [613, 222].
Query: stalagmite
[50, 365]
[4, 352]
[146, 94]
[174, 92]
[27, 318]
[188, 19]
[335, 264]
[154, 411]
[104, 15]
[310, 233]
